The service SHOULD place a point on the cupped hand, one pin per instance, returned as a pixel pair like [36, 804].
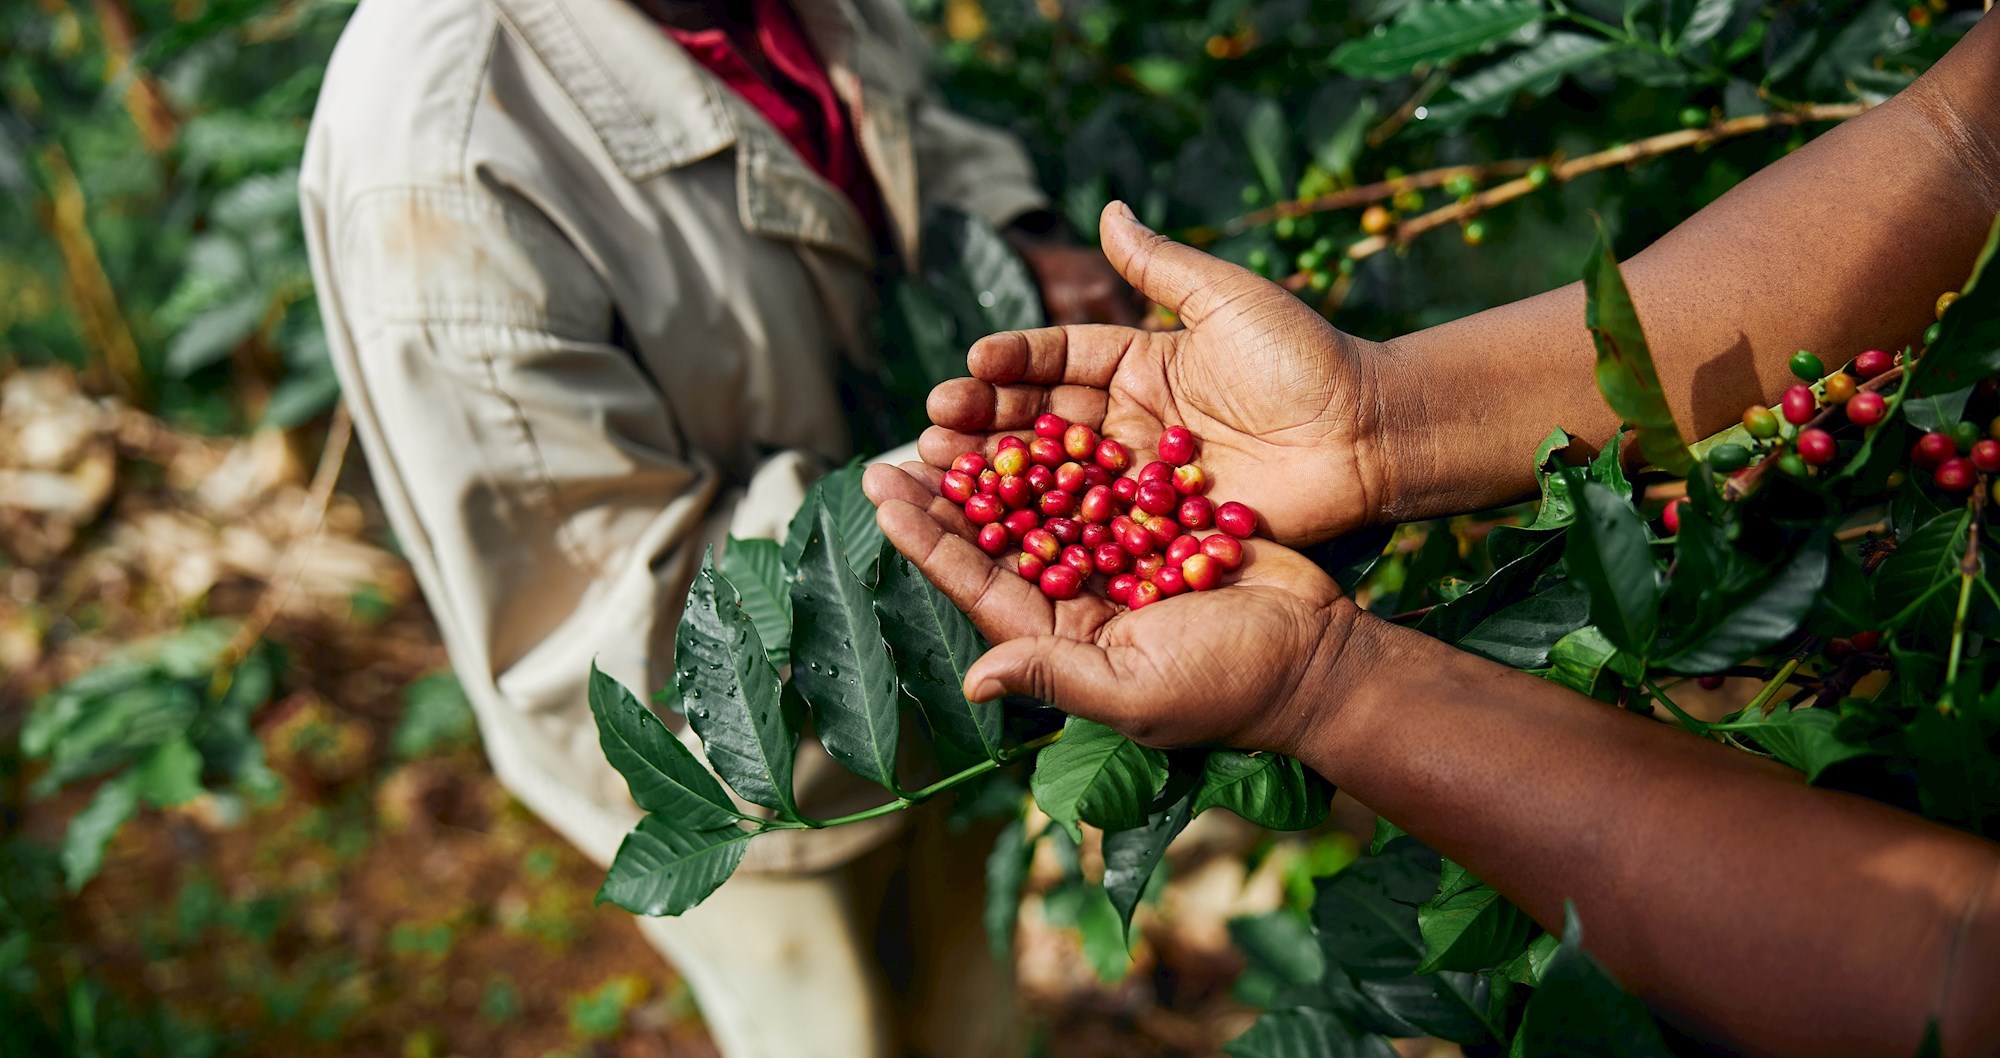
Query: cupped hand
[1248, 665]
[1287, 408]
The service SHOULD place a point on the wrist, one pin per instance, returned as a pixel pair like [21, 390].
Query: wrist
[1450, 443]
[1333, 698]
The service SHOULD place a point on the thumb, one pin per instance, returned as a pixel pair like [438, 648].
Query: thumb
[1075, 675]
[1180, 277]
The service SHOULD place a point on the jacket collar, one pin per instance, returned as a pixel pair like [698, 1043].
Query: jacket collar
[655, 110]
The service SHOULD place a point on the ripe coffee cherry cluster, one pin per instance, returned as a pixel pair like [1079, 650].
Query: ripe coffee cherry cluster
[1787, 434]
[1061, 500]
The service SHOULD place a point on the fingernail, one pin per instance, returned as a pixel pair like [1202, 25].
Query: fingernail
[1119, 205]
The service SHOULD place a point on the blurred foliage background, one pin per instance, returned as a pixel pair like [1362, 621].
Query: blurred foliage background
[165, 393]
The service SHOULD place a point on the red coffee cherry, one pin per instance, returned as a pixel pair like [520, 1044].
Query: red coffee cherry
[1069, 477]
[1080, 442]
[1094, 475]
[1019, 522]
[1866, 641]
[1055, 503]
[1029, 566]
[1076, 558]
[1709, 682]
[1816, 447]
[1148, 565]
[1156, 498]
[1010, 441]
[1177, 445]
[1126, 489]
[983, 509]
[958, 485]
[1042, 544]
[1190, 480]
[1170, 581]
[1164, 529]
[1799, 404]
[1061, 582]
[1041, 479]
[1184, 545]
[1094, 535]
[1201, 572]
[993, 539]
[1110, 559]
[1144, 593]
[1872, 363]
[1225, 550]
[1954, 474]
[1136, 539]
[1067, 530]
[1196, 512]
[1113, 456]
[1236, 519]
[1866, 408]
[1099, 505]
[989, 483]
[1934, 448]
[969, 464]
[1157, 472]
[1010, 461]
[1120, 588]
[1014, 491]
[1051, 426]
[1986, 455]
[1672, 515]
[1044, 451]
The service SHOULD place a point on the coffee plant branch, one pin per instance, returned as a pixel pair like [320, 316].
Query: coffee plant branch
[1969, 568]
[911, 798]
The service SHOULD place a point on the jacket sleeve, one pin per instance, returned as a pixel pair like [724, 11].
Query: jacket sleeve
[533, 473]
[973, 167]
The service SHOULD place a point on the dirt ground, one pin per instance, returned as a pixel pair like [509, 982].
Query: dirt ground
[390, 901]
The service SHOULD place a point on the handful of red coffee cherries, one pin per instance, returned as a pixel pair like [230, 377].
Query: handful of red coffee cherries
[1062, 500]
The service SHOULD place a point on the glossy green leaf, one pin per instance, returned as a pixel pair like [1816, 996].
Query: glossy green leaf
[87, 734]
[1453, 620]
[1305, 1032]
[1521, 636]
[1580, 659]
[1366, 915]
[1533, 71]
[1704, 21]
[1430, 32]
[664, 868]
[1131, 856]
[987, 286]
[933, 643]
[1610, 553]
[1967, 348]
[1918, 582]
[1755, 622]
[663, 774]
[1579, 1010]
[853, 512]
[1268, 141]
[756, 569]
[840, 664]
[1625, 373]
[1087, 909]
[1096, 775]
[1801, 738]
[1006, 872]
[732, 695]
[169, 774]
[1274, 792]
[1527, 968]
[92, 829]
[1280, 944]
[1471, 928]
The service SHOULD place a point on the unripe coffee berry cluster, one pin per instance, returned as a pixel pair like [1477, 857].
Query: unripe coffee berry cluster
[1062, 503]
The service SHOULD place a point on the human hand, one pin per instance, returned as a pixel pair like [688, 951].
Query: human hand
[1078, 285]
[1292, 416]
[1250, 665]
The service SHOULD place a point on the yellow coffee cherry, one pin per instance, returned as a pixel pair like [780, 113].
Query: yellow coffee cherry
[1944, 301]
[1837, 388]
[1375, 220]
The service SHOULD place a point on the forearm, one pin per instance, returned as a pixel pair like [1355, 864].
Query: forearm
[1780, 918]
[1839, 247]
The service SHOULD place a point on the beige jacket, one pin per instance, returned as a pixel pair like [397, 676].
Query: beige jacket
[589, 311]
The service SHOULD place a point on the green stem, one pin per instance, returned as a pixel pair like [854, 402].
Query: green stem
[1762, 703]
[1699, 727]
[912, 798]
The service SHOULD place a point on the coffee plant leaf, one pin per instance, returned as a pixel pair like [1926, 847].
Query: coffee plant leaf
[1610, 552]
[1279, 945]
[1366, 915]
[1521, 635]
[1447, 1004]
[1006, 874]
[169, 774]
[1268, 140]
[662, 773]
[1534, 71]
[970, 267]
[756, 569]
[1580, 659]
[1087, 909]
[117, 728]
[1527, 968]
[1915, 586]
[1430, 32]
[1967, 348]
[852, 511]
[1385, 833]
[1453, 620]
[665, 866]
[840, 665]
[1579, 1010]
[1705, 19]
[1096, 775]
[1131, 856]
[1753, 622]
[933, 644]
[1625, 373]
[1306, 1032]
[732, 696]
[1801, 738]
[91, 829]
[1273, 792]
[1471, 928]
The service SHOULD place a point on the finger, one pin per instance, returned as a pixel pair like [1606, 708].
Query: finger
[1194, 284]
[917, 485]
[1081, 354]
[970, 404]
[1076, 676]
[1000, 603]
